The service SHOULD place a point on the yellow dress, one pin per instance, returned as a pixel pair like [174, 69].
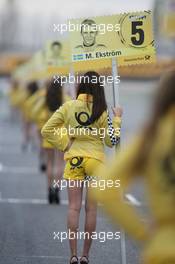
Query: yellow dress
[18, 98]
[37, 110]
[30, 103]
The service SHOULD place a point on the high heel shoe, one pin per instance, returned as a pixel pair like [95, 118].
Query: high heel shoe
[42, 167]
[51, 195]
[84, 260]
[74, 260]
[57, 196]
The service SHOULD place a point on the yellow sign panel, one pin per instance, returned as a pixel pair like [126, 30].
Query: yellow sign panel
[128, 37]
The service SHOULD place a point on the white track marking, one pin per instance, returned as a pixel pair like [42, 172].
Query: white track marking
[23, 201]
[1, 167]
[18, 170]
[10, 151]
[132, 199]
[29, 201]
[49, 257]
[18, 151]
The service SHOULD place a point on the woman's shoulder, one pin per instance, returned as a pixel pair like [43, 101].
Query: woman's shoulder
[66, 105]
[71, 102]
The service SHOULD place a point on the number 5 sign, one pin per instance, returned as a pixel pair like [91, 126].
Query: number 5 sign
[128, 37]
[139, 31]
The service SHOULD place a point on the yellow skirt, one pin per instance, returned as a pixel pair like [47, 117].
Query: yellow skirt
[78, 168]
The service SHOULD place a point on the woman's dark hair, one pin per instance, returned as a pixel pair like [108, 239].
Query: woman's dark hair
[163, 102]
[32, 87]
[90, 84]
[54, 96]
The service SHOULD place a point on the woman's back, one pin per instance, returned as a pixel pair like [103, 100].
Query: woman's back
[85, 122]
[89, 137]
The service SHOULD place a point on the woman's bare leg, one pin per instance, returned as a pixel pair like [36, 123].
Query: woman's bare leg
[90, 222]
[75, 202]
[50, 166]
[59, 167]
[26, 134]
[42, 154]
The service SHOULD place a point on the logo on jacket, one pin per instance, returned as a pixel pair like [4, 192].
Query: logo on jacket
[83, 120]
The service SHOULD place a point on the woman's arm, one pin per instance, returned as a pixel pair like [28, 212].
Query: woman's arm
[54, 131]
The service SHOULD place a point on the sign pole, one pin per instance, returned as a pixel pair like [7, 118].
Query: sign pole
[116, 100]
[115, 85]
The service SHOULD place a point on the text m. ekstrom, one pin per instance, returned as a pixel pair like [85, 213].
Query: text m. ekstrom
[97, 55]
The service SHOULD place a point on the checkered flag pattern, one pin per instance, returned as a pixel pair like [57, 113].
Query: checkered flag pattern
[114, 139]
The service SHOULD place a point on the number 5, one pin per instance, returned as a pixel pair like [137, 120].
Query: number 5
[136, 30]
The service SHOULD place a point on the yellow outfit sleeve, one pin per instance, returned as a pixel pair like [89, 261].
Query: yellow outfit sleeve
[119, 211]
[54, 131]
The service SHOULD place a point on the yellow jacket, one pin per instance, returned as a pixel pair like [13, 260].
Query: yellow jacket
[70, 121]
[31, 102]
[37, 107]
[159, 174]
[19, 98]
